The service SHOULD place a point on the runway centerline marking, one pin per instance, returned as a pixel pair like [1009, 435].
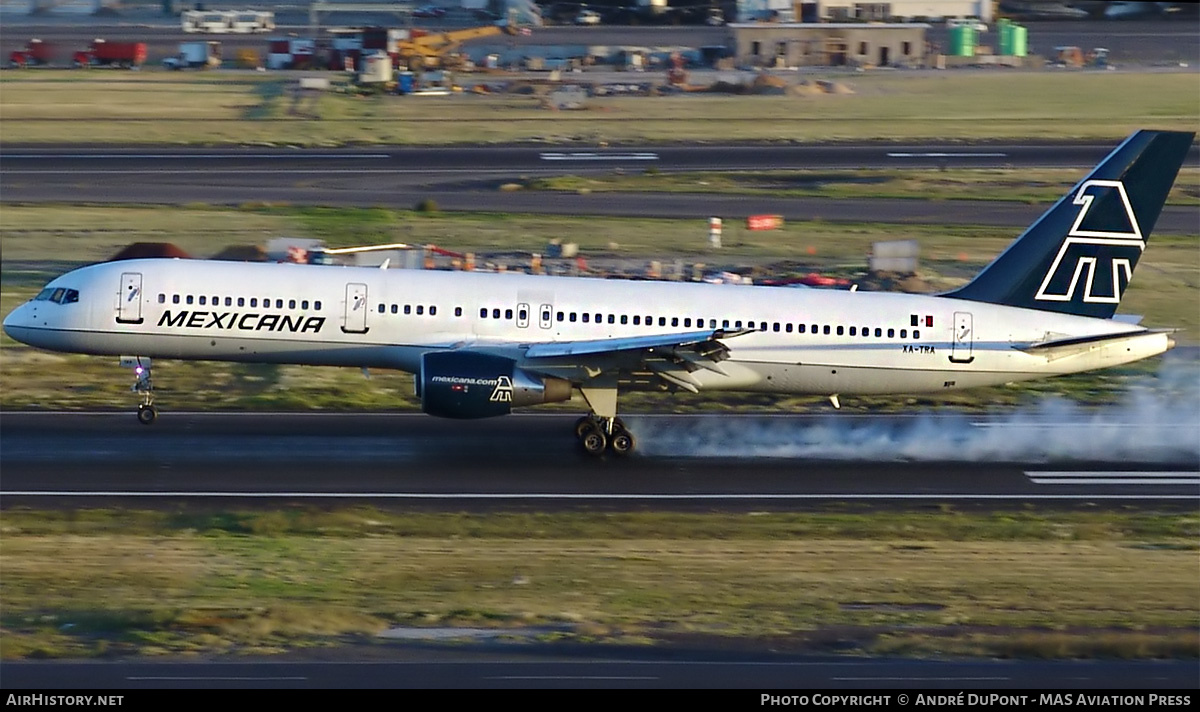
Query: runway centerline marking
[588, 156]
[934, 154]
[1143, 478]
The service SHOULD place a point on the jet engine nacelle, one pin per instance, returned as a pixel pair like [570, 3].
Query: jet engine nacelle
[466, 384]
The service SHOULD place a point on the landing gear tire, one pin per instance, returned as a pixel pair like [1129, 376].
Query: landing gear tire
[147, 414]
[622, 442]
[582, 425]
[594, 442]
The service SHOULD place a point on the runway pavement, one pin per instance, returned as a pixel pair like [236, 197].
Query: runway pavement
[532, 461]
[744, 675]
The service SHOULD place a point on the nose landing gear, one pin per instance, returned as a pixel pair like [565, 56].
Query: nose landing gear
[143, 386]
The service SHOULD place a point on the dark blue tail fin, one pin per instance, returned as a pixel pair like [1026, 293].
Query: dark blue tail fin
[1079, 256]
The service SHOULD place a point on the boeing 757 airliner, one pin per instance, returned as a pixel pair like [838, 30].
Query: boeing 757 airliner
[481, 344]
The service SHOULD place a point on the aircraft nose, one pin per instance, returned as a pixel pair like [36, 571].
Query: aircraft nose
[15, 321]
[10, 321]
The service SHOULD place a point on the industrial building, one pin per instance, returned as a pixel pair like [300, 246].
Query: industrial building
[829, 44]
[847, 10]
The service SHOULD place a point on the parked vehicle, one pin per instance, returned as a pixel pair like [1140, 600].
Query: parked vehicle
[35, 54]
[102, 53]
[195, 55]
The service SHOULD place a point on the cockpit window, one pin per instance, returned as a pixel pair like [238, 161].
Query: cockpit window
[59, 295]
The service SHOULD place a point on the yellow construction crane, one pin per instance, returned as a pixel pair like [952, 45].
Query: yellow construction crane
[439, 50]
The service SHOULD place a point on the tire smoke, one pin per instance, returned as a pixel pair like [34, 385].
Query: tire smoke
[1157, 420]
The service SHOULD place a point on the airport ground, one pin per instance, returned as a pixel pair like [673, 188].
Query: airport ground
[199, 578]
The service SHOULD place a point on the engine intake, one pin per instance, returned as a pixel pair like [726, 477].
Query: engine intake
[467, 384]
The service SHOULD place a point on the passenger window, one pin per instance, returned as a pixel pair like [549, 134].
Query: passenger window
[725, 324]
[162, 299]
[762, 326]
[202, 301]
[826, 330]
[662, 321]
[228, 301]
[788, 327]
[482, 312]
[904, 333]
[853, 330]
[891, 333]
[775, 327]
[572, 317]
[637, 320]
[253, 301]
[737, 324]
[395, 308]
[241, 301]
[878, 332]
[174, 298]
[278, 303]
[712, 323]
[189, 299]
[457, 311]
[674, 321]
[916, 334]
[624, 319]
[304, 305]
[382, 308]
[495, 313]
[432, 310]
[839, 331]
[560, 316]
[508, 314]
[291, 304]
[687, 321]
[800, 328]
[523, 315]
[317, 305]
[420, 309]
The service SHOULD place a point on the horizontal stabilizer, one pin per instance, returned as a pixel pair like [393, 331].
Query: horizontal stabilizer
[1061, 348]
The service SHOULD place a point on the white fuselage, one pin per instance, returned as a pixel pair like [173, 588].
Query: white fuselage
[803, 340]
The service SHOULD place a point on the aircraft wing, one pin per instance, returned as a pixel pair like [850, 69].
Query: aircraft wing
[670, 357]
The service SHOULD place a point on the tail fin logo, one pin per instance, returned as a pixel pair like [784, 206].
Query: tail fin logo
[1102, 246]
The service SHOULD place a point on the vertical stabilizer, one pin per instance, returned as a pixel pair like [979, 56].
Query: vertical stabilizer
[1079, 256]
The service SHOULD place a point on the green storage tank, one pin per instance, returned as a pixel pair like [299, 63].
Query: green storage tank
[962, 41]
[1006, 38]
[1020, 41]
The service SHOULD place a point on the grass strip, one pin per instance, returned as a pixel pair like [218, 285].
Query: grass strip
[85, 583]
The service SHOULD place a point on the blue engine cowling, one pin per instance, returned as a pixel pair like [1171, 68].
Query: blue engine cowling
[468, 384]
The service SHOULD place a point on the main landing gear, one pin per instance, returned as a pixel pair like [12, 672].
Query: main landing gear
[602, 430]
[597, 435]
[144, 387]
